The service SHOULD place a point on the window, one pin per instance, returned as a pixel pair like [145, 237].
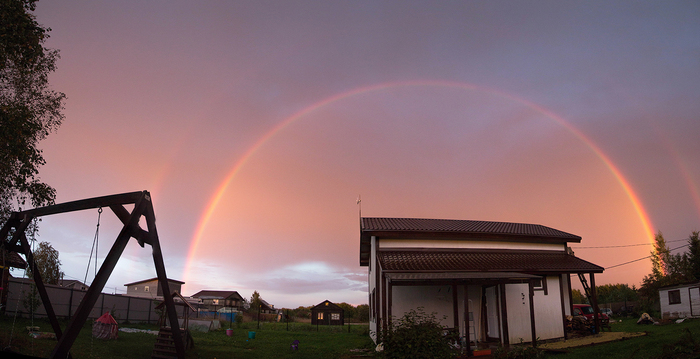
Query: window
[674, 296]
[540, 284]
[146, 289]
[320, 316]
[335, 316]
[215, 301]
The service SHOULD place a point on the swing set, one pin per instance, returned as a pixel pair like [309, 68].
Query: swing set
[15, 240]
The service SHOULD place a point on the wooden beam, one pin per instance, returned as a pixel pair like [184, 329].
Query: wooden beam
[563, 304]
[38, 281]
[504, 316]
[163, 279]
[93, 293]
[455, 306]
[531, 294]
[83, 204]
[466, 320]
[594, 299]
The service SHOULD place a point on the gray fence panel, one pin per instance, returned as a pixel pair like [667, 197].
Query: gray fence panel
[65, 302]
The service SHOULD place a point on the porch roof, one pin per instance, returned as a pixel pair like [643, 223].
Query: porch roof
[529, 262]
[460, 275]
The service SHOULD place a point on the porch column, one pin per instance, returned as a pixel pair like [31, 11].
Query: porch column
[389, 299]
[466, 319]
[455, 306]
[531, 292]
[563, 306]
[383, 295]
[504, 315]
[594, 303]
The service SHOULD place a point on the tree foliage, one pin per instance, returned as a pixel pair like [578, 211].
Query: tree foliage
[611, 293]
[47, 264]
[418, 335]
[255, 302]
[670, 269]
[29, 109]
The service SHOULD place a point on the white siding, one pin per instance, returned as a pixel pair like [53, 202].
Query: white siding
[372, 274]
[452, 244]
[680, 310]
[548, 317]
[434, 299]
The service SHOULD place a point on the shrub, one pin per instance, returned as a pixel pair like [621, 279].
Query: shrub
[418, 335]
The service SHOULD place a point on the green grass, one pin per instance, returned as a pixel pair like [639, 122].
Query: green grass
[649, 346]
[272, 340]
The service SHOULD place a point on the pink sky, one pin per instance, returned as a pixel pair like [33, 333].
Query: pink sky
[284, 112]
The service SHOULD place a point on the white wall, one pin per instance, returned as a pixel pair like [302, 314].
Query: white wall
[451, 244]
[432, 298]
[372, 274]
[548, 316]
[680, 310]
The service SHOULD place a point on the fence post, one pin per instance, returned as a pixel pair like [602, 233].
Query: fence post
[128, 307]
[70, 303]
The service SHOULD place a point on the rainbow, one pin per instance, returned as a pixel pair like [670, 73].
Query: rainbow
[221, 189]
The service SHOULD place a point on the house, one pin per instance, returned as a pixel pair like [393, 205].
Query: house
[151, 288]
[512, 279]
[680, 301]
[327, 313]
[74, 284]
[267, 308]
[215, 299]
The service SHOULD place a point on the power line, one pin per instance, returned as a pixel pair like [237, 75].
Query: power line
[629, 245]
[637, 260]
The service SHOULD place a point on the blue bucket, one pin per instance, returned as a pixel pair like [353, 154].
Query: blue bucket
[251, 335]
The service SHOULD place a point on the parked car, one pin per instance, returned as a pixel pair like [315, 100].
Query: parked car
[606, 311]
[587, 311]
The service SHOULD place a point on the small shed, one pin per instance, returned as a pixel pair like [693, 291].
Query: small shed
[680, 301]
[327, 313]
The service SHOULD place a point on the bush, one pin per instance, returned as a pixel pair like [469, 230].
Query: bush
[419, 335]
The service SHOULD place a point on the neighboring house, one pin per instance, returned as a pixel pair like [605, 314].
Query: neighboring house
[680, 301]
[215, 299]
[512, 279]
[75, 284]
[267, 308]
[151, 288]
[327, 313]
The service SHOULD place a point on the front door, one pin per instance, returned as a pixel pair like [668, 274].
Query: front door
[491, 305]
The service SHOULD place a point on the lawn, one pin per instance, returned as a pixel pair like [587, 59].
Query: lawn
[649, 346]
[272, 340]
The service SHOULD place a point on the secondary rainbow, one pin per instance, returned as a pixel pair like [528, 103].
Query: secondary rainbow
[221, 189]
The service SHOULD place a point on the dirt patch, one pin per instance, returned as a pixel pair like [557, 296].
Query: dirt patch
[604, 337]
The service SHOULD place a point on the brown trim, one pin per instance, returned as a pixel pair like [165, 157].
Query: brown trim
[455, 305]
[384, 319]
[492, 237]
[594, 300]
[389, 297]
[571, 296]
[504, 313]
[563, 305]
[466, 320]
[532, 313]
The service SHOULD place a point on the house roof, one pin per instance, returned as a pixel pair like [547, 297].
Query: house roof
[14, 260]
[325, 305]
[154, 279]
[427, 229]
[530, 262]
[218, 294]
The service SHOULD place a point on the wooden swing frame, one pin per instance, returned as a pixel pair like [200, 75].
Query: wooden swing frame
[142, 207]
